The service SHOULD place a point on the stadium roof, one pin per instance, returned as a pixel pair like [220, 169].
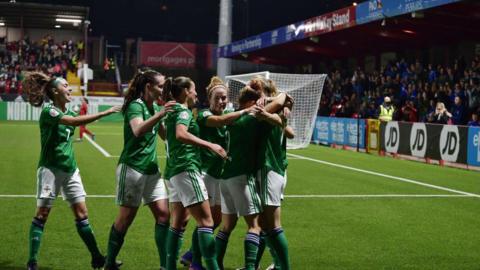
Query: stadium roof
[33, 15]
[368, 28]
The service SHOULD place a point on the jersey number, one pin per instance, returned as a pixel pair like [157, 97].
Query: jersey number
[68, 134]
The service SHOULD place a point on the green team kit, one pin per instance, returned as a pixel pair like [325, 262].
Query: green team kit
[140, 152]
[180, 156]
[57, 168]
[57, 171]
[56, 140]
[138, 165]
[212, 164]
[183, 166]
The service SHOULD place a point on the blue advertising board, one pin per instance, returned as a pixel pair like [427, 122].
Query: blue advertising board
[473, 150]
[321, 132]
[264, 40]
[399, 7]
[373, 10]
[369, 11]
[341, 131]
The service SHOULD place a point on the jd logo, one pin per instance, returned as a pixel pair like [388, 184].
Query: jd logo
[449, 143]
[392, 137]
[418, 140]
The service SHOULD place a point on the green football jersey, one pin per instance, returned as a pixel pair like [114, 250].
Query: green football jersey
[181, 157]
[212, 164]
[272, 149]
[241, 147]
[56, 140]
[140, 153]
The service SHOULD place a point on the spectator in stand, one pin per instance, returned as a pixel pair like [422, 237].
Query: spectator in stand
[440, 116]
[474, 122]
[458, 112]
[46, 56]
[409, 113]
[386, 110]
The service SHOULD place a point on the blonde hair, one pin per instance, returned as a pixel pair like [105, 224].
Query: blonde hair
[263, 85]
[215, 82]
[441, 105]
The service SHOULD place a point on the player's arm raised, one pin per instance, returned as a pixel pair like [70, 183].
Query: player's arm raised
[227, 119]
[85, 119]
[140, 127]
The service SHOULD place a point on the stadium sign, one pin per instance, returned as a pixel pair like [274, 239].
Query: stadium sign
[329, 22]
[365, 12]
[369, 11]
[474, 146]
[23, 111]
[392, 137]
[449, 143]
[418, 140]
[439, 142]
[399, 7]
[339, 131]
[333, 21]
[168, 54]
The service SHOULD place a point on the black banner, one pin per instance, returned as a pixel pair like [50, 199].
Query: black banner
[440, 142]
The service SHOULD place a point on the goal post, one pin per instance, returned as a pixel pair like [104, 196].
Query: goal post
[306, 89]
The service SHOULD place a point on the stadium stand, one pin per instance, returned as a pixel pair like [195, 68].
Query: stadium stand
[415, 88]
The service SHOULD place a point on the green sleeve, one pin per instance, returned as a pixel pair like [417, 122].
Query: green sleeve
[203, 116]
[134, 110]
[183, 117]
[51, 115]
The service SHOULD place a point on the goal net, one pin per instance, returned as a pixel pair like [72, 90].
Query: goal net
[306, 89]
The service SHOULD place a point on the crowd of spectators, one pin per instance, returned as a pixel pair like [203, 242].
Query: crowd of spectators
[448, 94]
[46, 55]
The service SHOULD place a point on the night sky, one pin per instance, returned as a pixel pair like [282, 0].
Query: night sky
[193, 20]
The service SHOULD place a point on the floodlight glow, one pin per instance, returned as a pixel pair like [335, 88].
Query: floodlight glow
[58, 26]
[2, 24]
[68, 20]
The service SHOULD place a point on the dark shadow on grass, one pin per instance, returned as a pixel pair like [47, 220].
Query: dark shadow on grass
[10, 265]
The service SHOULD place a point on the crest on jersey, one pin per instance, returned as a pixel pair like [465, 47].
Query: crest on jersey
[206, 113]
[53, 113]
[184, 115]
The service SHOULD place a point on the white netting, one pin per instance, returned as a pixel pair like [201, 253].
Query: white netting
[306, 89]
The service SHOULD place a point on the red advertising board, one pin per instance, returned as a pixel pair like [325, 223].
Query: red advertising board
[176, 55]
[168, 54]
[333, 21]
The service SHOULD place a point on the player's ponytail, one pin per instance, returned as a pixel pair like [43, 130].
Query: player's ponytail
[173, 88]
[38, 85]
[167, 90]
[136, 87]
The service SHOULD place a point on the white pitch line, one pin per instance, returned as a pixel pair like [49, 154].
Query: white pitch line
[386, 176]
[381, 196]
[103, 151]
[347, 196]
[34, 196]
